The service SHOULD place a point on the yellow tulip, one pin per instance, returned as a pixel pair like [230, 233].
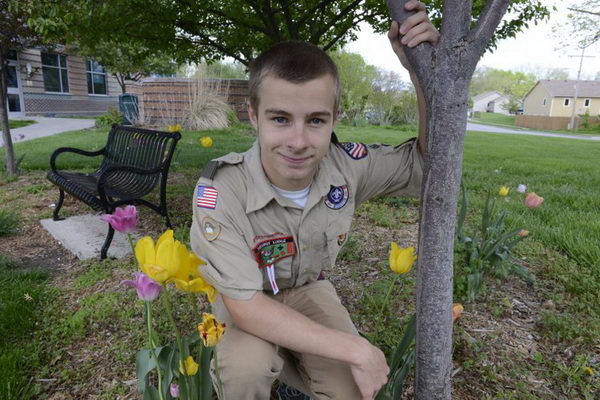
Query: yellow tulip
[187, 277]
[210, 330]
[589, 371]
[189, 367]
[457, 310]
[162, 261]
[503, 191]
[206, 141]
[174, 128]
[401, 260]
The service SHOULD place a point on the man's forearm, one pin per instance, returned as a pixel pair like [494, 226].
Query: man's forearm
[422, 114]
[279, 324]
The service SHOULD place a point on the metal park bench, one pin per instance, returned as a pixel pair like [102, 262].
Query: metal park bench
[134, 161]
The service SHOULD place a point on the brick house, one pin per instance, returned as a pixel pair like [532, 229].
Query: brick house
[54, 83]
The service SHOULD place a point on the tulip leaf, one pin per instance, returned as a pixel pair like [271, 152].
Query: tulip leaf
[165, 360]
[207, 388]
[151, 393]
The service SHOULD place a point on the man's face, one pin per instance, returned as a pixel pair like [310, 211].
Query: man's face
[294, 124]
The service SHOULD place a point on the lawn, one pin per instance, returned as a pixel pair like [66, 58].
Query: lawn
[19, 123]
[494, 118]
[516, 340]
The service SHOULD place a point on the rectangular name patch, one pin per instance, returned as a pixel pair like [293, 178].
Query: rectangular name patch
[206, 197]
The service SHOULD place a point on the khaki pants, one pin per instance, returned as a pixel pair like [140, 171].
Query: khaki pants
[249, 365]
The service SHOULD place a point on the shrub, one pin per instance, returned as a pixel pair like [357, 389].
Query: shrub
[9, 222]
[208, 108]
[108, 119]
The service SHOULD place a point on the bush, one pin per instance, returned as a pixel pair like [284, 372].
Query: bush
[208, 108]
[9, 222]
[108, 119]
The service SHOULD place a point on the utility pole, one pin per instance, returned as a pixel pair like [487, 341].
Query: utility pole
[582, 56]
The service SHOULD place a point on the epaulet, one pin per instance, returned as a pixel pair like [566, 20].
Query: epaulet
[211, 167]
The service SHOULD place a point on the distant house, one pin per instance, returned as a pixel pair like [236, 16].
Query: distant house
[490, 102]
[54, 83]
[554, 98]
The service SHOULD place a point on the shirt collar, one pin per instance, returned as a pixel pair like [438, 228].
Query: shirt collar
[260, 192]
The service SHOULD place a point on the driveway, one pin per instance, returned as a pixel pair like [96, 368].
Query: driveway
[472, 126]
[48, 126]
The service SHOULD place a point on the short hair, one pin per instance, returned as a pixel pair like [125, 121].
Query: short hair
[293, 61]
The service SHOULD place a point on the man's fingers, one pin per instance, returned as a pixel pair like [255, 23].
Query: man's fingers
[393, 32]
[423, 37]
[414, 5]
[412, 21]
[414, 32]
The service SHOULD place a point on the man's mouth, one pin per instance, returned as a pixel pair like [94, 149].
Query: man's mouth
[295, 160]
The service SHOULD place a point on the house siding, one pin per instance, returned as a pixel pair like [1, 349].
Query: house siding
[559, 110]
[534, 102]
[76, 102]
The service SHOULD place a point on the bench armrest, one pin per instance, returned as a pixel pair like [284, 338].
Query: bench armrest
[71, 150]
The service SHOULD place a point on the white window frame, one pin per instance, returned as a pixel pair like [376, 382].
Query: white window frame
[567, 102]
[587, 102]
[88, 71]
[59, 68]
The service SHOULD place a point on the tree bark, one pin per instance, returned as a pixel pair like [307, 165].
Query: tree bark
[11, 164]
[444, 73]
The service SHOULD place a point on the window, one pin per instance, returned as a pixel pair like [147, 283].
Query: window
[566, 102]
[586, 103]
[12, 77]
[12, 55]
[13, 103]
[54, 68]
[544, 102]
[96, 77]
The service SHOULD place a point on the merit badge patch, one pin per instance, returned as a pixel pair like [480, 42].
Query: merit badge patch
[356, 151]
[341, 238]
[210, 228]
[206, 197]
[269, 251]
[337, 197]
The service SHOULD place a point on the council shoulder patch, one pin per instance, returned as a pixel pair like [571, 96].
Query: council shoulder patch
[206, 196]
[210, 228]
[356, 151]
[337, 197]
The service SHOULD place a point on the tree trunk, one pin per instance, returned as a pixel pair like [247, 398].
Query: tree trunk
[11, 164]
[444, 73]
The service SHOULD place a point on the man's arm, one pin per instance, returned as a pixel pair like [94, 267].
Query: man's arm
[415, 30]
[279, 324]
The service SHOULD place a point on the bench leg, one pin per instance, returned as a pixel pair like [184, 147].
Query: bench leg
[106, 245]
[61, 199]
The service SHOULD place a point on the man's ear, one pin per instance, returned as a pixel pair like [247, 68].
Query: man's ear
[253, 116]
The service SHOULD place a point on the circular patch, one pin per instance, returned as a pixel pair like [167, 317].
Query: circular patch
[210, 229]
[337, 197]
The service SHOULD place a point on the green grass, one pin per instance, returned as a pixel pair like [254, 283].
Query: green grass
[9, 222]
[22, 293]
[19, 123]
[494, 118]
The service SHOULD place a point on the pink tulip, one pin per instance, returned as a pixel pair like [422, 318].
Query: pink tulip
[532, 200]
[174, 389]
[146, 288]
[123, 219]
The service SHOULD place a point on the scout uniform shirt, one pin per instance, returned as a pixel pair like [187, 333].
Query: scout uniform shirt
[252, 239]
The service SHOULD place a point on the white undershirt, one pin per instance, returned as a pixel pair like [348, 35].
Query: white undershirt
[299, 197]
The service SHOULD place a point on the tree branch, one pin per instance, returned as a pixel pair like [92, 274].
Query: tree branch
[457, 19]
[584, 11]
[317, 35]
[291, 26]
[487, 23]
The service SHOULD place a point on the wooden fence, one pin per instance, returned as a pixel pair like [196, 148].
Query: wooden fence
[549, 123]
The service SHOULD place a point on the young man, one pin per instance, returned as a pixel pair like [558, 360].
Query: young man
[269, 220]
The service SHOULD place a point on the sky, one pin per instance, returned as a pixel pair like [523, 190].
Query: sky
[536, 47]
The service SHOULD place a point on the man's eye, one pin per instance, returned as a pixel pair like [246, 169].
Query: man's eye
[316, 121]
[280, 120]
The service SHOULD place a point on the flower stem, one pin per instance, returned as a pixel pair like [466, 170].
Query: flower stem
[153, 347]
[131, 244]
[182, 355]
[221, 396]
[385, 301]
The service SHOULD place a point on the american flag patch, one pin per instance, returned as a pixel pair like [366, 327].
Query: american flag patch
[206, 197]
[355, 150]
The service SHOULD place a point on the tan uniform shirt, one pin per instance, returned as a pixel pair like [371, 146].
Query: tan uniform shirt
[241, 225]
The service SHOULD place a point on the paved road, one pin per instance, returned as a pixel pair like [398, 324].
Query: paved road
[48, 126]
[471, 126]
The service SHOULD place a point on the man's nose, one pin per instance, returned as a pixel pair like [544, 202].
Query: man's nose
[299, 139]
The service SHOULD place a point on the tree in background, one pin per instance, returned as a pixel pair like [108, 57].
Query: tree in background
[128, 61]
[15, 35]
[217, 69]
[392, 101]
[584, 22]
[356, 77]
[513, 84]
[240, 29]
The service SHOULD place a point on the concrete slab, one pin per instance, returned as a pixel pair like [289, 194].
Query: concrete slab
[45, 126]
[84, 236]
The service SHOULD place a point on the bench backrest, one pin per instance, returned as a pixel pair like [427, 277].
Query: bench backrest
[139, 148]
